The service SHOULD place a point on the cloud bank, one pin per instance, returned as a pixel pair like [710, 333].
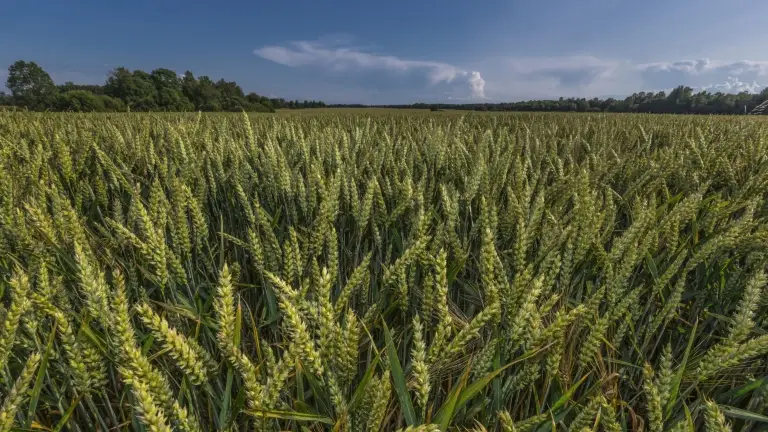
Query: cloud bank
[354, 60]
[588, 76]
[735, 85]
[504, 78]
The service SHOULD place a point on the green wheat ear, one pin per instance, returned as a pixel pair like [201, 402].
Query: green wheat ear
[737, 347]
[420, 369]
[18, 393]
[148, 409]
[714, 418]
[20, 304]
[653, 400]
[533, 271]
[225, 311]
[381, 389]
[189, 355]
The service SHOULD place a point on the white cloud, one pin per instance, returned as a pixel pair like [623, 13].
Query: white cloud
[588, 76]
[350, 59]
[734, 85]
[477, 84]
[706, 74]
[517, 78]
[688, 66]
[514, 78]
[705, 66]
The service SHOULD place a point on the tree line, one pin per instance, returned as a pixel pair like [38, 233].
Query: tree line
[681, 100]
[31, 87]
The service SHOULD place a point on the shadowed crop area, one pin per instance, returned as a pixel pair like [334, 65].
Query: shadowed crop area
[349, 271]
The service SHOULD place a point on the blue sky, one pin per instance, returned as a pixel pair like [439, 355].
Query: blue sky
[402, 51]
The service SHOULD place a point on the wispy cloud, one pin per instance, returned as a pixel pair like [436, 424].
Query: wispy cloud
[705, 66]
[735, 85]
[351, 59]
[588, 76]
[517, 78]
[707, 74]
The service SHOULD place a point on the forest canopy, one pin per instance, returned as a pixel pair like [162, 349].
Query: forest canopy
[31, 87]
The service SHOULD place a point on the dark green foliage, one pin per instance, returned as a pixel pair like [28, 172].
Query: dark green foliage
[680, 100]
[30, 85]
[79, 101]
[161, 90]
[113, 104]
[125, 90]
[86, 101]
[169, 91]
[257, 100]
[135, 88]
[69, 86]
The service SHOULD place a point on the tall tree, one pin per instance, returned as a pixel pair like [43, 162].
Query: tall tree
[190, 88]
[79, 101]
[209, 96]
[135, 89]
[31, 86]
[170, 96]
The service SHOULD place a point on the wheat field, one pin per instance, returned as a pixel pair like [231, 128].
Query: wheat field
[358, 272]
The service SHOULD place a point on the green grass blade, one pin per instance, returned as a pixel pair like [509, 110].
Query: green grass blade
[290, 415]
[398, 379]
[477, 386]
[739, 413]
[678, 378]
[41, 371]
[565, 398]
[359, 394]
[448, 410]
[65, 418]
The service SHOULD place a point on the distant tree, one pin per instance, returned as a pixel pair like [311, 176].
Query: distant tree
[231, 96]
[209, 96]
[278, 103]
[268, 104]
[79, 101]
[680, 100]
[136, 89]
[113, 104]
[254, 98]
[190, 88]
[258, 103]
[69, 86]
[170, 95]
[31, 86]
